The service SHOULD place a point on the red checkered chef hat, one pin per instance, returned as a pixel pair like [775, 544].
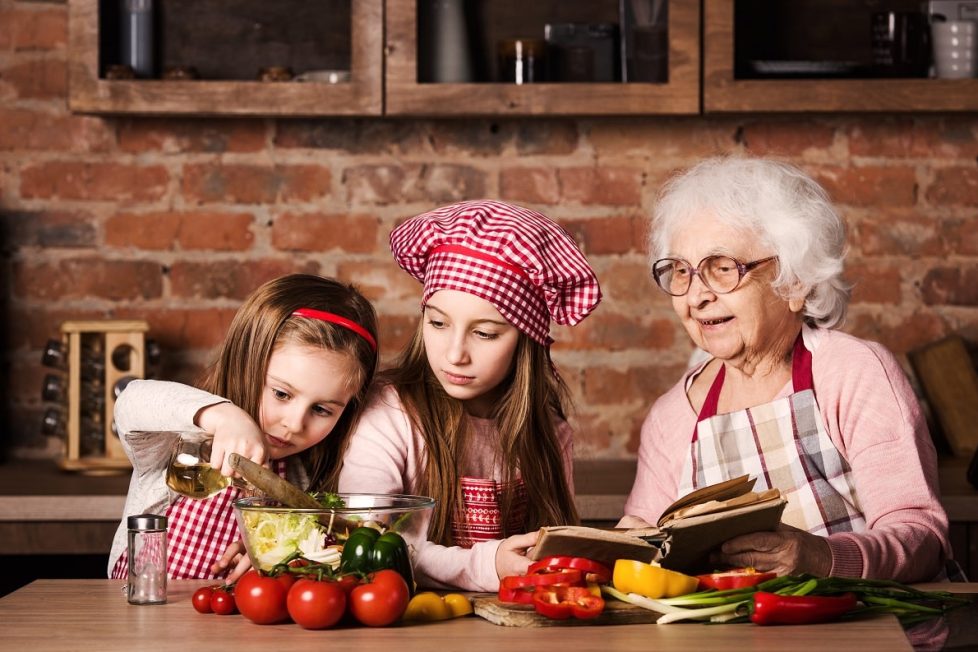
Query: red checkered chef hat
[518, 260]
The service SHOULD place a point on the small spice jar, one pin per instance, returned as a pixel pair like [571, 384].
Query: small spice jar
[147, 559]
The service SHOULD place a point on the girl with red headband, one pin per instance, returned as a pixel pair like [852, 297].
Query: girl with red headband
[294, 367]
[472, 413]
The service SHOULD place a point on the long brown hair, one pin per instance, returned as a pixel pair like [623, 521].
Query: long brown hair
[265, 322]
[527, 417]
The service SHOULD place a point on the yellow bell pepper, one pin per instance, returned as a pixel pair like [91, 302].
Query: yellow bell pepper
[651, 580]
[428, 607]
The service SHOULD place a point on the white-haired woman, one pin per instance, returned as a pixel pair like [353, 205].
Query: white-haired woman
[751, 252]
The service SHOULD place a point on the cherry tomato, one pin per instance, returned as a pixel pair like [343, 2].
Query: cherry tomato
[222, 602]
[202, 599]
[381, 600]
[315, 604]
[262, 599]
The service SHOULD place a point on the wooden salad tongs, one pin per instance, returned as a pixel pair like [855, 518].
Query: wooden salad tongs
[277, 488]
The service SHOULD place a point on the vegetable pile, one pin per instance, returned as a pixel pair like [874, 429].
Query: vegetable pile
[559, 587]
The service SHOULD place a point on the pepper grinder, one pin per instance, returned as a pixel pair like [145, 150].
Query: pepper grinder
[147, 559]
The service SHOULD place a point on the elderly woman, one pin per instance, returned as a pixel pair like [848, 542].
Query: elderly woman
[751, 253]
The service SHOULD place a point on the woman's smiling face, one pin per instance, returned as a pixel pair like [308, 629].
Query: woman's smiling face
[744, 326]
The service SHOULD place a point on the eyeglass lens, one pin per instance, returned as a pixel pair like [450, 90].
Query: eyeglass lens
[719, 273]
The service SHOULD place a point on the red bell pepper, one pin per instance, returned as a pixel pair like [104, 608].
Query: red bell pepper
[520, 588]
[594, 572]
[774, 609]
[562, 602]
[735, 578]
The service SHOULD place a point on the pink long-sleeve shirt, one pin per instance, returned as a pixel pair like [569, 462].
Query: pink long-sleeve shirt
[385, 455]
[874, 418]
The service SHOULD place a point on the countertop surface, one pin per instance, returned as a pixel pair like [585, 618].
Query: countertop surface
[94, 615]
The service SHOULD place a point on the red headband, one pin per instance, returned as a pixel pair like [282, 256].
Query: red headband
[342, 321]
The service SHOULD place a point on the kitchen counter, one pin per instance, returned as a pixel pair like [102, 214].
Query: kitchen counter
[93, 615]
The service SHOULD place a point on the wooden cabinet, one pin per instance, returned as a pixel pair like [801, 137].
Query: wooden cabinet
[90, 91]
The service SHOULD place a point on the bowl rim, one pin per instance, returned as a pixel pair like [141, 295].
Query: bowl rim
[421, 502]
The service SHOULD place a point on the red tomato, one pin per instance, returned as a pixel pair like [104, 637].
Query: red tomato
[202, 599]
[315, 604]
[381, 600]
[735, 578]
[348, 583]
[222, 602]
[262, 599]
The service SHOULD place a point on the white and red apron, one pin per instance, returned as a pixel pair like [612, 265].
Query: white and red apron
[198, 533]
[785, 445]
[481, 517]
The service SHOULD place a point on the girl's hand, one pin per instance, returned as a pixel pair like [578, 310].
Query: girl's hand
[234, 558]
[511, 556]
[632, 522]
[786, 551]
[234, 432]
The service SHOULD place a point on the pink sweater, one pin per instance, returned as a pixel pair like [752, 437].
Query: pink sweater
[874, 419]
[385, 456]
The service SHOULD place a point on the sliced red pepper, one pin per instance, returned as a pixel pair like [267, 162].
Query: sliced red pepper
[562, 602]
[774, 609]
[520, 588]
[735, 578]
[594, 571]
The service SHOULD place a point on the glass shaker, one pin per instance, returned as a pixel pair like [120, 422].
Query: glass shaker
[147, 559]
[137, 44]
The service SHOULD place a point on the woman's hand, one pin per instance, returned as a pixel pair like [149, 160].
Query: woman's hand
[511, 556]
[234, 432]
[235, 558]
[786, 551]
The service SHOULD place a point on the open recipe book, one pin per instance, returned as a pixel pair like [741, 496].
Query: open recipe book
[683, 536]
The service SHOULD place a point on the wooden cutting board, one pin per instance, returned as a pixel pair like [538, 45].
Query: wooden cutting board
[523, 615]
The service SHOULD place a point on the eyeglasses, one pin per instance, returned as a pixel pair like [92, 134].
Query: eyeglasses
[720, 274]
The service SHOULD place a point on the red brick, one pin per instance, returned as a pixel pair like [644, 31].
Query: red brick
[531, 185]
[39, 79]
[381, 282]
[365, 136]
[962, 235]
[874, 282]
[396, 332]
[628, 282]
[393, 184]
[45, 29]
[608, 331]
[869, 186]
[77, 278]
[468, 138]
[80, 180]
[324, 231]
[546, 137]
[30, 328]
[954, 187]
[914, 137]
[614, 234]
[254, 184]
[230, 280]
[898, 333]
[608, 386]
[25, 129]
[48, 228]
[786, 137]
[664, 138]
[951, 286]
[172, 135]
[895, 232]
[604, 185]
[180, 330]
[193, 230]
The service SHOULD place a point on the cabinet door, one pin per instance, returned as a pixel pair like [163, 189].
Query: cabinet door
[406, 95]
[725, 90]
[92, 29]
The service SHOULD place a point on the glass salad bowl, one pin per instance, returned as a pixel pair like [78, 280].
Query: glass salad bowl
[274, 534]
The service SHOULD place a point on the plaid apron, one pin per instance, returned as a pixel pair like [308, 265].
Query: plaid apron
[784, 444]
[198, 532]
[481, 518]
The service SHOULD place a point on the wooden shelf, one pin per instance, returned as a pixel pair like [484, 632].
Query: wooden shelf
[405, 96]
[723, 93]
[362, 95]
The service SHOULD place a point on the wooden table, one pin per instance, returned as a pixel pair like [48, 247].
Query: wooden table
[94, 615]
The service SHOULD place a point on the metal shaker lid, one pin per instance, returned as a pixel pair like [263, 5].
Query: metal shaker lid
[146, 522]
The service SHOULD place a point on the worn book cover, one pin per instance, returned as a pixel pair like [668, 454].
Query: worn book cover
[684, 534]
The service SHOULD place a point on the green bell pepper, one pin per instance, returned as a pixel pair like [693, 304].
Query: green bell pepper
[366, 551]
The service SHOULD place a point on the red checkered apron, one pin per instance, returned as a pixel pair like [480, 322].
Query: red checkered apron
[198, 531]
[784, 444]
[481, 519]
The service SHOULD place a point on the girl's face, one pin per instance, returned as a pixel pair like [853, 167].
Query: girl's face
[470, 348]
[306, 390]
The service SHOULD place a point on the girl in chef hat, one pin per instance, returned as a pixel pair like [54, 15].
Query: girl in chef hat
[294, 367]
[472, 412]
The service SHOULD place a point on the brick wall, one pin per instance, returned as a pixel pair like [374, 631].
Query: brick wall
[176, 220]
